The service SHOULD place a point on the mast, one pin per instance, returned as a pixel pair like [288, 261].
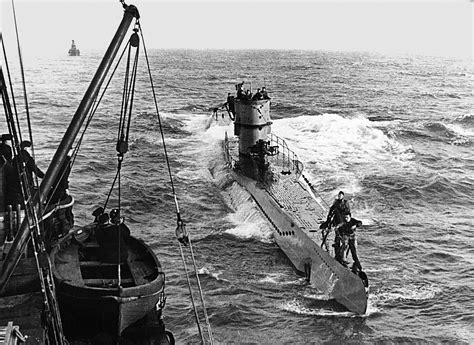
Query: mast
[21, 240]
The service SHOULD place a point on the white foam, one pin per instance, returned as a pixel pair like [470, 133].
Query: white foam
[249, 223]
[371, 308]
[317, 296]
[210, 271]
[337, 142]
[295, 306]
[459, 130]
[279, 279]
[466, 334]
[410, 292]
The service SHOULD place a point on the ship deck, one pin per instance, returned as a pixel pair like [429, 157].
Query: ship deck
[21, 302]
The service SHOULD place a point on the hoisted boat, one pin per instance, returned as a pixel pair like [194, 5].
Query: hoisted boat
[92, 296]
[87, 289]
[263, 164]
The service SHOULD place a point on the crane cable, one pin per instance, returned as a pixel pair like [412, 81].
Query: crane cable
[181, 232]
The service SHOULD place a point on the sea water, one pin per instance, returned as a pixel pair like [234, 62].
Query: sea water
[395, 133]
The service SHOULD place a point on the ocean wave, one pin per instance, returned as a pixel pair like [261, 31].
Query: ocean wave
[298, 307]
[407, 293]
[278, 279]
[336, 138]
[452, 133]
[285, 110]
[467, 119]
[342, 151]
[212, 272]
[438, 186]
[249, 221]
[323, 307]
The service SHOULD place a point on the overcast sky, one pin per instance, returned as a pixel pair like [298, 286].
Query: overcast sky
[443, 28]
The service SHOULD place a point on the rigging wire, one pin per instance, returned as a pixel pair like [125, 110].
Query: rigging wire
[25, 96]
[181, 232]
[41, 258]
[12, 121]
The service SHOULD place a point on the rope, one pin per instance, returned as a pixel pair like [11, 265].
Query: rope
[41, 258]
[159, 121]
[183, 236]
[313, 190]
[119, 275]
[25, 97]
[201, 294]
[191, 293]
[11, 120]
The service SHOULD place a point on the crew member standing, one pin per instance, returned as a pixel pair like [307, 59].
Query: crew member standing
[5, 149]
[13, 192]
[347, 232]
[338, 209]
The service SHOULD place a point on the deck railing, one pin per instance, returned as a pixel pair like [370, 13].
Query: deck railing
[286, 157]
[227, 155]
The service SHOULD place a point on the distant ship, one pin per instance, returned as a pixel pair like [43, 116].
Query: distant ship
[74, 51]
[262, 163]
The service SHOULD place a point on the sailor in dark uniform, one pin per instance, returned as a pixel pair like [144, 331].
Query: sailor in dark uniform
[112, 237]
[265, 93]
[5, 149]
[336, 216]
[13, 194]
[230, 104]
[258, 96]
[338, 209]
[347, 232]
[31, 166]
[240, 91]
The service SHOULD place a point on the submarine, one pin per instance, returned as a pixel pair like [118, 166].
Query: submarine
[264, 165]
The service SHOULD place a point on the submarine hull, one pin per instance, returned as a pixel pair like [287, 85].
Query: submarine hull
[295, 216]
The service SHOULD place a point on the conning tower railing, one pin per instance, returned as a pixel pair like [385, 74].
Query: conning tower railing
[227, 155]
[287, 158]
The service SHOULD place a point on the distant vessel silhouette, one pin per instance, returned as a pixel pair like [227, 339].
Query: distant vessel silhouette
[73, 51]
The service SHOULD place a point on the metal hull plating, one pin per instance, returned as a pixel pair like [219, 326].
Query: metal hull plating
[295, 216]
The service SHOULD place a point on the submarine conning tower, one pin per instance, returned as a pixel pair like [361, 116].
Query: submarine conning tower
[253, 127]
[252, 123]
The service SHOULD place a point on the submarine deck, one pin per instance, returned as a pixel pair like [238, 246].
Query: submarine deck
[295, 213]
[283, 184]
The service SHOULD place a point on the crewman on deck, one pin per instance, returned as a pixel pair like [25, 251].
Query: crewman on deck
[13, 193]
[347, 232]
[258, 96]
[30, 164]
[240, 91]
[339, 208]
[5, 149]
[230, 104]
[335, 217]
[111, 238]
[265, 93]
[247, 95]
